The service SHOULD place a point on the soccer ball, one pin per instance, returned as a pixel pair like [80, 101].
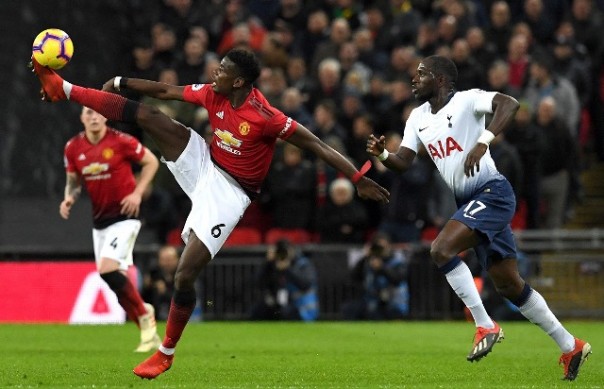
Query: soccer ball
[53, 48]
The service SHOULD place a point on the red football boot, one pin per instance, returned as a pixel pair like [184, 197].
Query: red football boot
[52, 83]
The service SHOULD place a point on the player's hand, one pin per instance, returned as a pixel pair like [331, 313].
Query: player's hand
[108, 86]
[473, 159]
[376, 146]
[65, 207]
[131, 205]
[369, 189]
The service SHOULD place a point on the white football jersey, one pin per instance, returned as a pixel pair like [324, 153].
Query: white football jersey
[450, 134]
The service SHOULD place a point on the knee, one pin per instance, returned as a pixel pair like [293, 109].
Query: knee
[184, 279]
[509, 287]
[147, 114]
[441, 253]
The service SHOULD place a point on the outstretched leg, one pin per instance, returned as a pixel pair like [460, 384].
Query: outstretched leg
[533, 306]
[170, 136]
[193, 259]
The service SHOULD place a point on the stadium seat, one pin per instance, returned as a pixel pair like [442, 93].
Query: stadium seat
[296, 235]
[242, 236]
[429, 234]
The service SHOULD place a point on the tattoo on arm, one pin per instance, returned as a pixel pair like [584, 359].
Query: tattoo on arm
[73, 187]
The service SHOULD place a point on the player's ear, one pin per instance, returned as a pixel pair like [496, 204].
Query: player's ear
[239, 82]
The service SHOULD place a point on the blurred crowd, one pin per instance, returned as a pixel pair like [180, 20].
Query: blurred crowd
[343, 68]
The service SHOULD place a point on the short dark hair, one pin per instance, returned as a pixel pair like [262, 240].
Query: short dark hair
[442, 66]
[247, 63]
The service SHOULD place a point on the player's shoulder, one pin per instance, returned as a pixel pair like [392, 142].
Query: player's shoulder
[75, 140]
[473, 93]
[260, 105]
[119, 135]
[419, 111]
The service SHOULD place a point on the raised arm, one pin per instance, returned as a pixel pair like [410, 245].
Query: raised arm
[158, 90]
[366, 187]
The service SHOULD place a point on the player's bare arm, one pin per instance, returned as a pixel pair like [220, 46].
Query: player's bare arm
[504, 110]
[73, 188]
[367, 188]
[401, 161]
[158, 90]
[131, 203]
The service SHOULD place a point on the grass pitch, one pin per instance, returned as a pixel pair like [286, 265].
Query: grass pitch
[295, 355]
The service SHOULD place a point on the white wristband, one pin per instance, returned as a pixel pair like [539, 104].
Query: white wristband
[116, 83]
[486, 137]
[384, 156]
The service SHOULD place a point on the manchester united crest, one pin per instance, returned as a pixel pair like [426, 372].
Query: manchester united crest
[244, 128]
[108, 153]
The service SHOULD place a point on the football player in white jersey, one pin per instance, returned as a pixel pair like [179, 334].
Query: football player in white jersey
[451, 126]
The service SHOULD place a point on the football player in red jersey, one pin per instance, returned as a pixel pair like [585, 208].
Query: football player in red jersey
[222, 177]
[101, 157]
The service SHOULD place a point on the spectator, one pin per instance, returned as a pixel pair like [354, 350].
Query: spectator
[164, 45]
[288, 281]
[158, 283]
[369, 54]
[498, 77]
[383, 275]
[191, 66]
[343, 219]
[290, 190]
[588, 23]
[329, 84]
[325, 122]
[297, 76]
[483, 52]
[508, 162]
[544, 82]
[518, 60]
[272, 83]
[273, 52]
[404, 217]
[499, 30]
[293, 106]
[527, 138]
[470, 73]
[541, 22]
[556, 162]
[316, 32]
[339, 34]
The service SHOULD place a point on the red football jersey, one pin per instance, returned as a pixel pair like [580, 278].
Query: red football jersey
[244, 137]
[106, 171]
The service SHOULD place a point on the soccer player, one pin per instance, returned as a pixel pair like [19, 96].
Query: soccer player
[101, 158]
[222, 177]
[451, 126]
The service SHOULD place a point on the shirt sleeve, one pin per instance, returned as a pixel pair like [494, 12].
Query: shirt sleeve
[68, 159]
[280, 125]
[482, 101]
[410, 138]
[132, 149]
[198, 94]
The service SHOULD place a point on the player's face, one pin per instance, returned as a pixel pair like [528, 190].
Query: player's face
[92, 120]
[225, 77]
[423, 83]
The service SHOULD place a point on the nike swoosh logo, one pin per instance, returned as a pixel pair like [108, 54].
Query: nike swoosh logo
[421, 129]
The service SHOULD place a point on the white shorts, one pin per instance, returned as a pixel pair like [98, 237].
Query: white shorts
[116, 242]
[217, 200]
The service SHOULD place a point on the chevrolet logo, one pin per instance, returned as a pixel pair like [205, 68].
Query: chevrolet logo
[227, 138]
[95, 168]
